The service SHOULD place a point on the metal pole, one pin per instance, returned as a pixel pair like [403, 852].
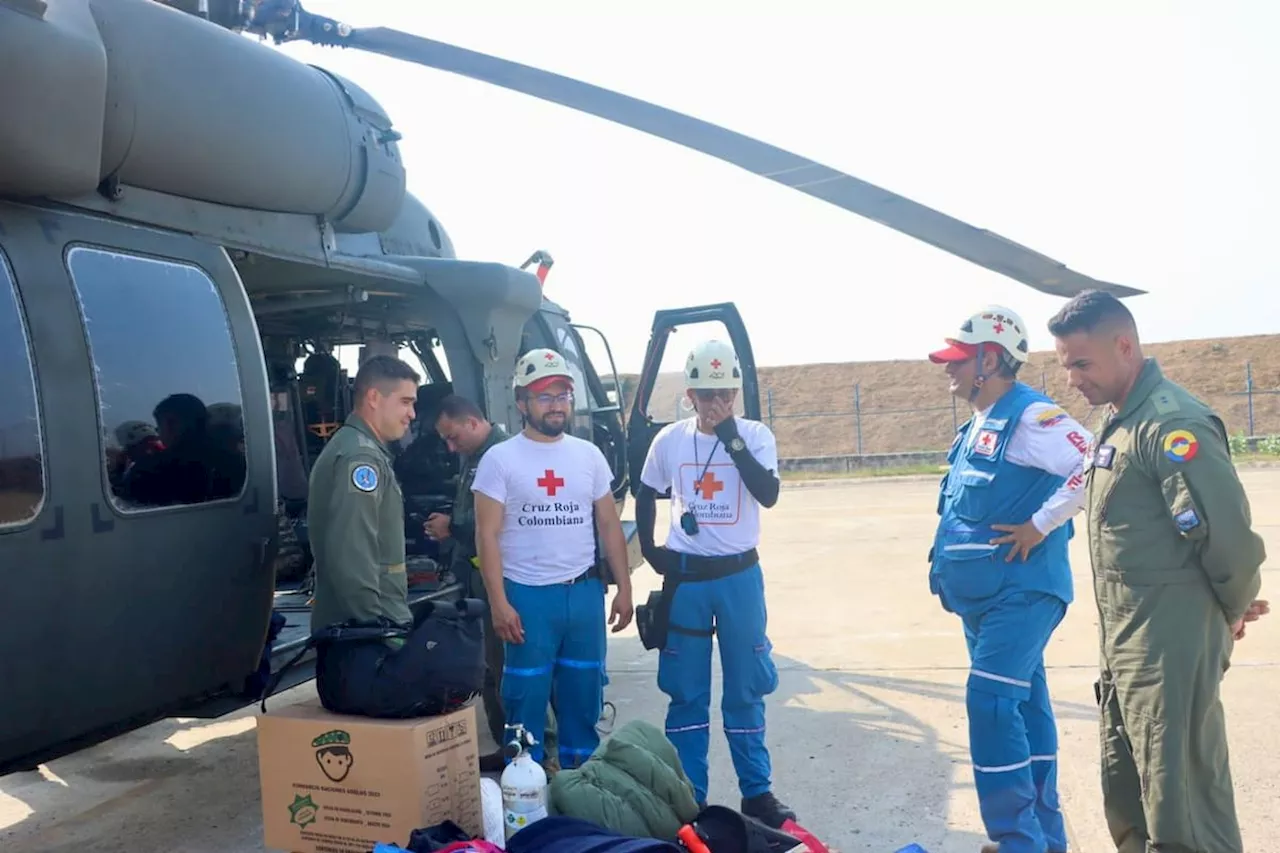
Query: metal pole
[1248, 390]
[769, 400]
[955, 423]
[857, 413]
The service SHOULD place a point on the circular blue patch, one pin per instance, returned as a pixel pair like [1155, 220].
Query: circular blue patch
[365, 478]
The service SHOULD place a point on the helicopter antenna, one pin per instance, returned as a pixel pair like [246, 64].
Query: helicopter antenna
[544, 261]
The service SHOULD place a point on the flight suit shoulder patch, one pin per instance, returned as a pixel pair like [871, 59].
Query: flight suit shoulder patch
[1179, 444]
[364, 475]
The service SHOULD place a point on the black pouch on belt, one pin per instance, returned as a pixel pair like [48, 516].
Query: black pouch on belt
[653, 618]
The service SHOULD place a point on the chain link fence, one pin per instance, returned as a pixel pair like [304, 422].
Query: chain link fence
[906, 408]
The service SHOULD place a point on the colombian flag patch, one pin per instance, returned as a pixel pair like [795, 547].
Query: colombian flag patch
[1050, 417]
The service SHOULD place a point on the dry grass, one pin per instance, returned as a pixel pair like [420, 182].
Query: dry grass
[905, 405]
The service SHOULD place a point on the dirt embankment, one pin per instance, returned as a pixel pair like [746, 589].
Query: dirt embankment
[904, 405]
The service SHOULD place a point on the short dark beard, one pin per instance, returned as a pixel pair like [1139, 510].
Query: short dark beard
[547, 430]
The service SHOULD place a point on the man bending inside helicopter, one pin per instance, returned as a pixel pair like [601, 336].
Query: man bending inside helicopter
[355, 513]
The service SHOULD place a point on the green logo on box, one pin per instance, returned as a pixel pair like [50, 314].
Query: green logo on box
[303, 811]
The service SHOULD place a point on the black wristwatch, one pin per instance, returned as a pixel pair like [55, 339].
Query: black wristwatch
[736, 444]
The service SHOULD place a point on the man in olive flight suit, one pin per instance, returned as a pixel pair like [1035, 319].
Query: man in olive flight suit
[355, 514]
[1176, 571]
[467, 432]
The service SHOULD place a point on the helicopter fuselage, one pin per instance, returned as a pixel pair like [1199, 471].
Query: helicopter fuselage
[191, 226]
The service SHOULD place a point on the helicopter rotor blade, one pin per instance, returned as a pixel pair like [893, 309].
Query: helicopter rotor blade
[982, 247]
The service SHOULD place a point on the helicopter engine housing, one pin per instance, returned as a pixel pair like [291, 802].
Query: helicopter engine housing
[166, 101]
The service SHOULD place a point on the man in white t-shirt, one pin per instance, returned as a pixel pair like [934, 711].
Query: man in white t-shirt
[535, 495]
[1000, 562]
[719, 470]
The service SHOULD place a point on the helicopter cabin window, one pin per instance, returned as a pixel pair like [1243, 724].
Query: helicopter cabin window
[583, 397]
[21, 462]
[167, 383]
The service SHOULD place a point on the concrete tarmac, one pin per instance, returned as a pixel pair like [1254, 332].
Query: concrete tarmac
[867, 728]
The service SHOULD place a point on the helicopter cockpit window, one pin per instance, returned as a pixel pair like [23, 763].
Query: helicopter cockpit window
[21, 457]
[168, 386]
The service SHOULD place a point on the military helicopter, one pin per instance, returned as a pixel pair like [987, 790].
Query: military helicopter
[190, 224]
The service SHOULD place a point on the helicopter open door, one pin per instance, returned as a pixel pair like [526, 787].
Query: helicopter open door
[647, 410]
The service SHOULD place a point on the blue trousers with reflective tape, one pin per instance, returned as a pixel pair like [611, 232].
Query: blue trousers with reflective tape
[1013, 737]
[564, 644]
[735, 604]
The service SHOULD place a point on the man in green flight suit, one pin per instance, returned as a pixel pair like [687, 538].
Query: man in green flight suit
[355, 513]
[1176, 571]
[467, 432]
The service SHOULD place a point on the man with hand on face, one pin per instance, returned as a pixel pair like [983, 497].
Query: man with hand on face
[720, 471]
[355, 511]
[999, 561]
[535, 495]
[466, 431]
[1176, 570]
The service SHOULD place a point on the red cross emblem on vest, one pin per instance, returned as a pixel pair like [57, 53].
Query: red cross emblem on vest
[986, 445]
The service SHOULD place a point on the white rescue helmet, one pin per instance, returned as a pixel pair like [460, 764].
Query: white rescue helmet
[994, 324]
[712, 364]
[538, 368]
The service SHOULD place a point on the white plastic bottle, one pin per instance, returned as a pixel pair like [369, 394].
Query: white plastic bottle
[524, 787]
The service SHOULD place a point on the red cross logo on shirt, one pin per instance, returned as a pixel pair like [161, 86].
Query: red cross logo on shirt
[715, 362]
[708, 485]
[550, 482]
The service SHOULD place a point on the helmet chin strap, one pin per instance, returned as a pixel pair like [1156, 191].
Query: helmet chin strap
[980, 378]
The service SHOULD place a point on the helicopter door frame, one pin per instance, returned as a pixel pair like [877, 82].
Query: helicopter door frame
[642, 428]
[607, 416]
[592, 411]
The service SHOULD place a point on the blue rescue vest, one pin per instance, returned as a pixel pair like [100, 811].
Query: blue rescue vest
[983, 488]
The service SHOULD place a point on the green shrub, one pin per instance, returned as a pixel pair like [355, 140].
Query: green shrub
[1270, 445]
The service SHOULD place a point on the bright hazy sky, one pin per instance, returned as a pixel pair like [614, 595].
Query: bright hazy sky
[1136, 146]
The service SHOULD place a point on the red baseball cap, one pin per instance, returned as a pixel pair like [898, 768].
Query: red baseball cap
[539, 385]
[954, 352]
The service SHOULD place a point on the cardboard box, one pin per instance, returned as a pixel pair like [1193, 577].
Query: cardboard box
[339, 784]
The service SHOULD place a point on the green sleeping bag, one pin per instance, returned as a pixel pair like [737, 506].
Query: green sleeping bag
[633, 784]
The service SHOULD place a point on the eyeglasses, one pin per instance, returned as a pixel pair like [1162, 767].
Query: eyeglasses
[547, 399]
[706, 395]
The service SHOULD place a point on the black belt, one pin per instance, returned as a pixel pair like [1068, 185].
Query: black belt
[696, 567]
[588, 574]
[702, 568]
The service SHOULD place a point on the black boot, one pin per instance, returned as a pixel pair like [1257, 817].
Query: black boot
[767, 809]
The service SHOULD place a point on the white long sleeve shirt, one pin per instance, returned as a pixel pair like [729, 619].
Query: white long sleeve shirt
[1049, 439]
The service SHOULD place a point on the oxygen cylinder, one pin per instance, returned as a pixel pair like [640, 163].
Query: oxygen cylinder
[524, 786]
